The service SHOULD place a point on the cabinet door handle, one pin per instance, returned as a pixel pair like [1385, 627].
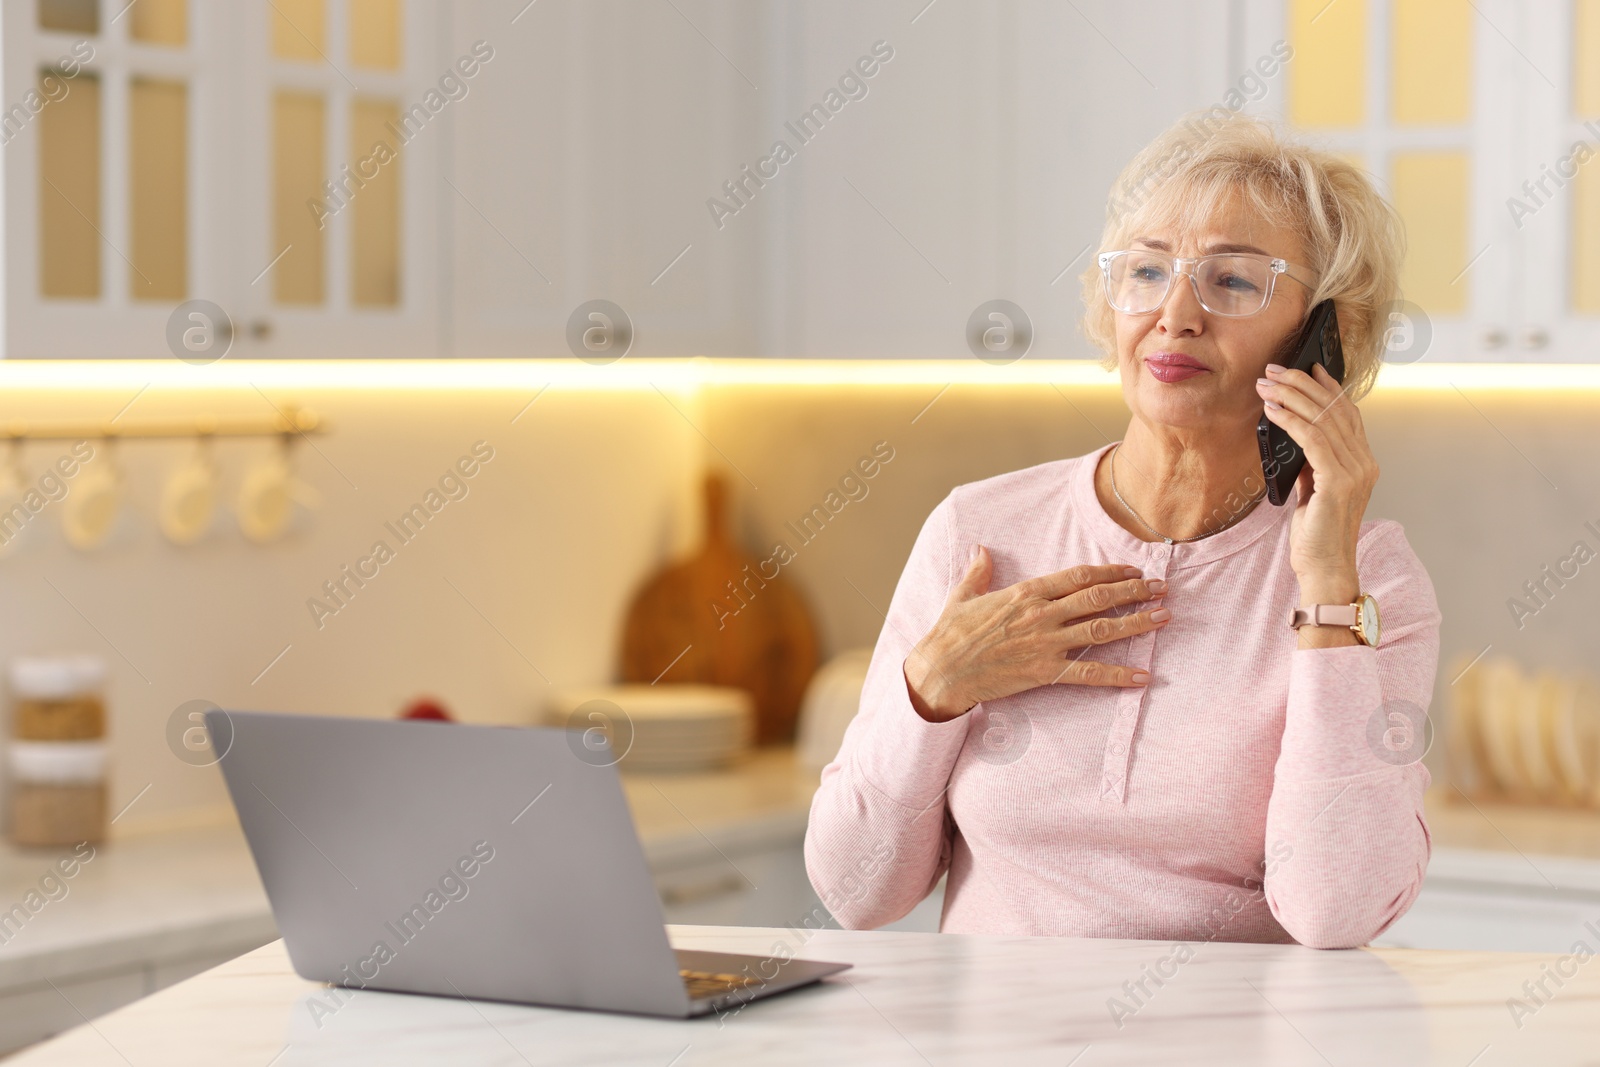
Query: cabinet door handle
[689, 892]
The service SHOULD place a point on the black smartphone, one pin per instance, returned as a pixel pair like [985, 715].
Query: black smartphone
[1318, 342]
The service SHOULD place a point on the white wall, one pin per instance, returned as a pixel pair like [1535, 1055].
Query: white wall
[581, 500]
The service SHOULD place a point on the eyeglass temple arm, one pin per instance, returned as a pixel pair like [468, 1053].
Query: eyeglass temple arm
[1281, 266]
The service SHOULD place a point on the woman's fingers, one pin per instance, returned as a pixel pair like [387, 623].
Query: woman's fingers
[1103, 597]
[1108, 628]
[1088, 672]
[1317, 398]
[1027, 631]
[1301, 393]
[1323, 407]
[1074, 579]
[975, 581]
[1323, 452]
[1354, 437]
[1328, 395]
[1327, 441]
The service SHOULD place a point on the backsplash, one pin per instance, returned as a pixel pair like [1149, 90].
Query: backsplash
[480, 548]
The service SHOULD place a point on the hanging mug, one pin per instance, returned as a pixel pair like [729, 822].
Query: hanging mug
[189, 499]
[89, 513]
[268, 496]
[13, 488]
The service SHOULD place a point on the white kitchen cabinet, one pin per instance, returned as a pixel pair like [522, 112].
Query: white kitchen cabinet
[1502, 183]
[31, 1013]
[1461, 918]
[140, 915]
[1501, 901]
[768, 888]
[781, 896]
[1491, 902]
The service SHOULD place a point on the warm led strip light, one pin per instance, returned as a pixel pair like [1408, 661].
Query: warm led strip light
[1490, 377]
[626, 374]
[692, 373]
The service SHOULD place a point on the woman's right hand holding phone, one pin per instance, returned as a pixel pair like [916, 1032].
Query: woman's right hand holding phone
[986, 645]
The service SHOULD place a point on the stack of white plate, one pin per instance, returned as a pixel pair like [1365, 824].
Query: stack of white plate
[1526, 736]
[661, 727]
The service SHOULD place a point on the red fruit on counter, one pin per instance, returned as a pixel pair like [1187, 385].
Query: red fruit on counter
[426, 708]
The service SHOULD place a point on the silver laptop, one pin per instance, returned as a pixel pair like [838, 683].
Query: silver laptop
[466, 861]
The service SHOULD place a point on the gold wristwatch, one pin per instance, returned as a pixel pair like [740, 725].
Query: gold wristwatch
[1361, 617]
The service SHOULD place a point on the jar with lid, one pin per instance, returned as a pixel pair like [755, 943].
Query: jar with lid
[57, 754]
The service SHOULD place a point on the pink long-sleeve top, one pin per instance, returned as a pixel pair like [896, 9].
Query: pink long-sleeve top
[1253, 791]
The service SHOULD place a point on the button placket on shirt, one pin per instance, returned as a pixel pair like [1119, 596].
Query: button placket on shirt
[1141, 650]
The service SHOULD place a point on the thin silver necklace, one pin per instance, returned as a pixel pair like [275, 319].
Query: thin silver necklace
[1158, 533]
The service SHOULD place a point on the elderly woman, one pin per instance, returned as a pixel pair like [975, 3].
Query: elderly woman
[1093, 702]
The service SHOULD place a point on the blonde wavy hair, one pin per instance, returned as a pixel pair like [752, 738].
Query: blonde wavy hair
[1354, 239]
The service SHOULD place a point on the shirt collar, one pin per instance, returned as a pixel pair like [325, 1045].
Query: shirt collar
[1119, 543]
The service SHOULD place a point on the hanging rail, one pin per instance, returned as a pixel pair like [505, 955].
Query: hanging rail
[290, 421]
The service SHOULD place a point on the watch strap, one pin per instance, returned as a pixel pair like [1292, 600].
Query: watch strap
[1324, 615]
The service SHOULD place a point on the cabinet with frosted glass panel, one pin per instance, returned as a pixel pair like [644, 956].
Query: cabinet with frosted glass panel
[224, 150]
[170, 151]
[1481, 122]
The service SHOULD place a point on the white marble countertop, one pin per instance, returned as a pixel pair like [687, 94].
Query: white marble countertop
[911, 999]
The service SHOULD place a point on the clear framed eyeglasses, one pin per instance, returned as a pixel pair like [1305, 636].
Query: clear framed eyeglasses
[1233, 284]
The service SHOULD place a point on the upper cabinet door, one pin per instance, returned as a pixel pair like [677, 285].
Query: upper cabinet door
[101, 177]
[1395, 87]
[1469, 117]
[344, 125]
[186, 179]
[1556, 196]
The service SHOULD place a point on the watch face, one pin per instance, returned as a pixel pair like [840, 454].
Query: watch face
[1369, 619]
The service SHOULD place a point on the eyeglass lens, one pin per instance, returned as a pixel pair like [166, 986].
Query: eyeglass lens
[1138, 282]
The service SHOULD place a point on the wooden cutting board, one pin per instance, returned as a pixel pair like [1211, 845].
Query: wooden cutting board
[724, 617]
